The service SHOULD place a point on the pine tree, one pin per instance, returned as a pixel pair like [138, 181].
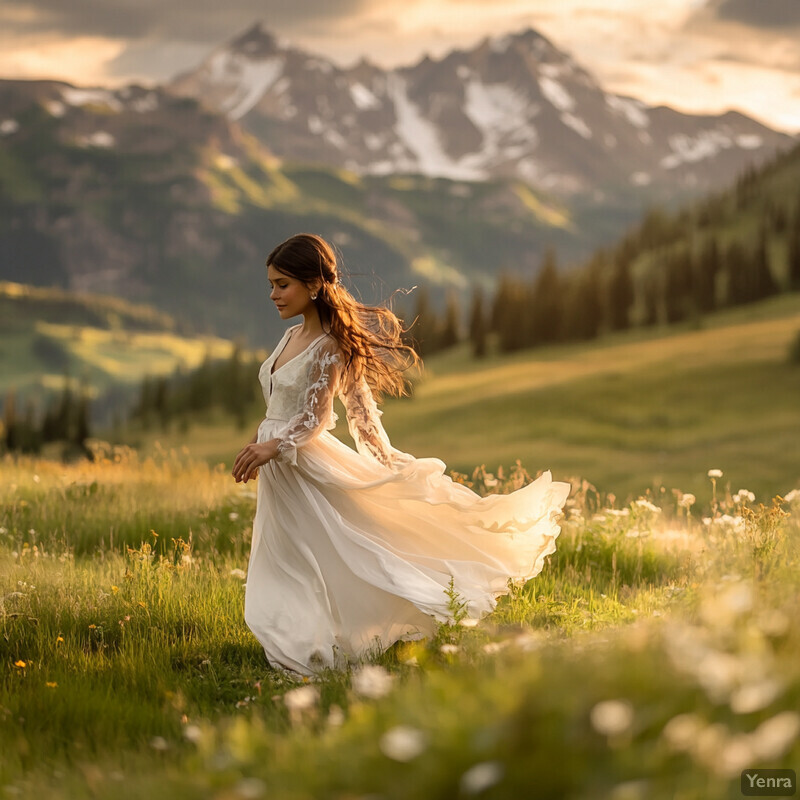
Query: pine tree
[451, 330]
[477, 324]
[545, 308]
[763, 283]
[705, 276]
[10, 423]
[620, 296]
[794, 252]
[425, 328]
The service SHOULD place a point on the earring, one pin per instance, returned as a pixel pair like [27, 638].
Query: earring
[314, 296]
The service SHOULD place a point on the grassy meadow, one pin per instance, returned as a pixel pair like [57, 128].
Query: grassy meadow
[657, 655]
[632, 412]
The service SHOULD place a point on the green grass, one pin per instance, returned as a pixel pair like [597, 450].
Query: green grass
[627, 412]
[128, 670]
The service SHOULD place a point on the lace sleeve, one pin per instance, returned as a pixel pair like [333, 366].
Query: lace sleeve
[317, 413]
[364, 424]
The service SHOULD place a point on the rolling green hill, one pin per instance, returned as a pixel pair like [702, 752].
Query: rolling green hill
[105, 342]
[627, 412]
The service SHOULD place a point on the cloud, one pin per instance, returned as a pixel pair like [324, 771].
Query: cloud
[199, 21]
[774, 14]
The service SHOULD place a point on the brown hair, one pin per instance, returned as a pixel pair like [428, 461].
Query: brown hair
[369, 336]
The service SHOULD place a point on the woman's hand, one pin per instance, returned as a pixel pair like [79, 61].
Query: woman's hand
[251, 457]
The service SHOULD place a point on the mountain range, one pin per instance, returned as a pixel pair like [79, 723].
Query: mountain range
[173, 195]
[514, 106]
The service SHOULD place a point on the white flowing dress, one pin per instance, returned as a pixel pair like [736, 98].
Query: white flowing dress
[352, 550]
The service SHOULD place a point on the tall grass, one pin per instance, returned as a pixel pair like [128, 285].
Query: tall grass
[656, 655]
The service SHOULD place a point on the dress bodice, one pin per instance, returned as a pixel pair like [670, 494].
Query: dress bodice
[285, 389]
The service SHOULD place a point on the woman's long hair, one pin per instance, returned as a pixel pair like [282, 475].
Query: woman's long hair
[369, 336]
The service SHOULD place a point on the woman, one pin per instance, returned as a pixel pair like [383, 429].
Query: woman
[353, 551]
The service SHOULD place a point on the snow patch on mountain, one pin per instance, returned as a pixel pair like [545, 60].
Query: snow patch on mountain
[253, 80]
[8, 126]
[750, 141]
[421, 138]
[689, 149]
[363, 97]
[495, 110]
[633, 110]
[577, 124]
[84, 97]
[556, 93]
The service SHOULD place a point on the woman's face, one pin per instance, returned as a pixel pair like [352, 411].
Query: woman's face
[290, 295]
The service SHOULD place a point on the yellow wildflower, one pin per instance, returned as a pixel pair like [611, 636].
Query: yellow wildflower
[51, 684]
[20, 664]
[92, 627]
[115, 589]
[59, 639]
[142, 604]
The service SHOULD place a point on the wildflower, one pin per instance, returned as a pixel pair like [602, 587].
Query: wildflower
[250, 788]
[449, 649]
[715, 473]
[612, 717]
[115, 589]
[771, 739]
[481, 776]
[21, 664]
[755, 696]
[51, 684]
[59, 639]
[159, 743]
[744, 495]
[646, 504]
[238, 573]
[301, 698]
[335, 716]
[403, 743]
[469, 622]
[792, 496]
[92, 627]
[233, 516]
[372, 681]
[193, 733]
[687, 500]
[142, 604]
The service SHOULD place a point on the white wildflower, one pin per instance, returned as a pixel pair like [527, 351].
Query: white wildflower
[744, 495]
[335, 716]
[301, 698]
[238, 573]
[755, 696]
[403, 743]
[646, 504]
[449, 649]
[233, 516]
[251, 788]
[159, 743]
[792, 496]
[372, 681]
[772, 738]
[687, 500]
[193, 733]
[715, 473]
[681, 732]
[617, 512]
[612, 717]
[481, 776]
[469, 622]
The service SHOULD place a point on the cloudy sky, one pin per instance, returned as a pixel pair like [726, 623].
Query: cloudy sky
[696, 55]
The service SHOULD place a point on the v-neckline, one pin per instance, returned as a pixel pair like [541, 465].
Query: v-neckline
[273, 370]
